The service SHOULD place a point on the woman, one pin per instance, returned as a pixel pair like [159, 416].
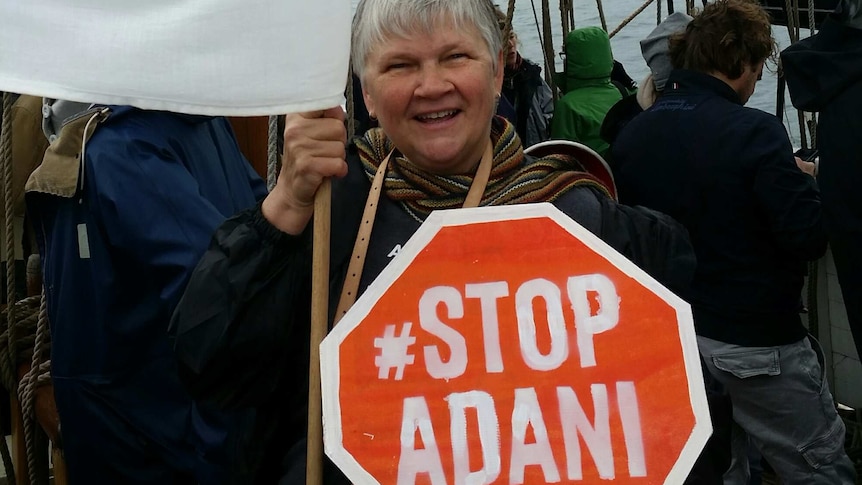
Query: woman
[431, 74]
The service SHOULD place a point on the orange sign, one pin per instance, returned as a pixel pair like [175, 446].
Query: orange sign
[510, 345]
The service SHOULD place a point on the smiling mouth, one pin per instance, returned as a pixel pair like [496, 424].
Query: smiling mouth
[438, 116]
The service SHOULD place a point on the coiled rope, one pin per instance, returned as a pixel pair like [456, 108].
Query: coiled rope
[25, 325]
[39, 374]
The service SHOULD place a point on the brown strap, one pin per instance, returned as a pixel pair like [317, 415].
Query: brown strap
[360, 247]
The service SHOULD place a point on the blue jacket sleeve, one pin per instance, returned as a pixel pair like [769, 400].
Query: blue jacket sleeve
[152, 209]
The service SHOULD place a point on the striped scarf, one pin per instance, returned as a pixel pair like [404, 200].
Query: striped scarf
[514, 178]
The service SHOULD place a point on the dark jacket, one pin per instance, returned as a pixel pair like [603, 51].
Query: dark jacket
[727, 173]
[824, 74]
[242, 327]
[531, 100]
[117, 252]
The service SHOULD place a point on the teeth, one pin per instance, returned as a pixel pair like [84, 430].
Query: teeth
[437, 115]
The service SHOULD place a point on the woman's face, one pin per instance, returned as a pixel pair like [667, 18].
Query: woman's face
[434, 95]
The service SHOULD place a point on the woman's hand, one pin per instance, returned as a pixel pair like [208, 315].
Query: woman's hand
[314, 149]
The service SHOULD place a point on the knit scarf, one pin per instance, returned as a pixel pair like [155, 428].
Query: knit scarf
[514, 179]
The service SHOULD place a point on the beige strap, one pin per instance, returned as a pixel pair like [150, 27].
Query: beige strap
[360, 247]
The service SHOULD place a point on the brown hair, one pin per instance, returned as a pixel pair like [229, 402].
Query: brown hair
[725, 37]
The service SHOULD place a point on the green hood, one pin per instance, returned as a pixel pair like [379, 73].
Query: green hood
[589, 59]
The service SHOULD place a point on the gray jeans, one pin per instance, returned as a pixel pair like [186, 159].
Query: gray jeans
[782, 402]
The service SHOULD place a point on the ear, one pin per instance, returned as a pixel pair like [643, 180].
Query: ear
[369, 102]
[498, 76]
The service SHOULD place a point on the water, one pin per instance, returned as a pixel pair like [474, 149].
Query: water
[626, 44]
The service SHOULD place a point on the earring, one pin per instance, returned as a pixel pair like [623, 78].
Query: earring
[496, 101]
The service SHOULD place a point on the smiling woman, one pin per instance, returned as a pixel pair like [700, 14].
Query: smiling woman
[431, 71]
[433, 94]
[432, 84]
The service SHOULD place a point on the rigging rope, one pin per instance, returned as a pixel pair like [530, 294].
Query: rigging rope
[567, 16]
[9, 223]
[351, 104]
[272, 153]
[602, 15]
[549, 65]
[549, 47]
[630, 18]
[7, 362]
[25, 326]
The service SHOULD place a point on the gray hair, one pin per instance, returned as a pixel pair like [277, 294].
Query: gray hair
[377, 20]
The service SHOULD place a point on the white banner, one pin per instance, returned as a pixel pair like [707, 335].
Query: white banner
[211, 57]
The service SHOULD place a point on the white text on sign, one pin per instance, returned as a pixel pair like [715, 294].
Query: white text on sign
[420, 459]
[394, 348]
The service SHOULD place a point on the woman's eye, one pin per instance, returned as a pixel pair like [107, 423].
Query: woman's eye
[458, 55]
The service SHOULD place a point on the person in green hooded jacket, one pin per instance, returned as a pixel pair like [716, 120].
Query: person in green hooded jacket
[587, 88]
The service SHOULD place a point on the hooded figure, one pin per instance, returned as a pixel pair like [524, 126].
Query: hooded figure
[654, 48]
[824, 74]
[589, 92]
[655, 52]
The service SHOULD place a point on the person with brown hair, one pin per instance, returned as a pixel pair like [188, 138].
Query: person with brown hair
[728, 174]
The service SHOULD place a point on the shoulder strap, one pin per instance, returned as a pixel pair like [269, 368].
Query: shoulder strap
[360, 248]
[620, 87]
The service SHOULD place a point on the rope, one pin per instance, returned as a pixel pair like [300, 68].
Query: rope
[21, 327]
[565, 7]
[272, 153]
[510, 14]
[27, 390]
[811, 17]
[791, 22]
[26, 330]
[812, 123]
[544, 49]
[658, 12]
[549, 46]
[9, 223]
[602, 15]
[351, 104]
[630, 18]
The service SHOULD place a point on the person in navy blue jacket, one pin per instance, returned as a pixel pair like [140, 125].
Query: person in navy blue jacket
[728, 174]
[121, 222]
[824, 74]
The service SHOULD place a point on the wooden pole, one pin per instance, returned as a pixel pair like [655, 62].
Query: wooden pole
[319, 327]
[602, 15]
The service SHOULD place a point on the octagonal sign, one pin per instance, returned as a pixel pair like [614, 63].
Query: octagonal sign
[510, 345]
